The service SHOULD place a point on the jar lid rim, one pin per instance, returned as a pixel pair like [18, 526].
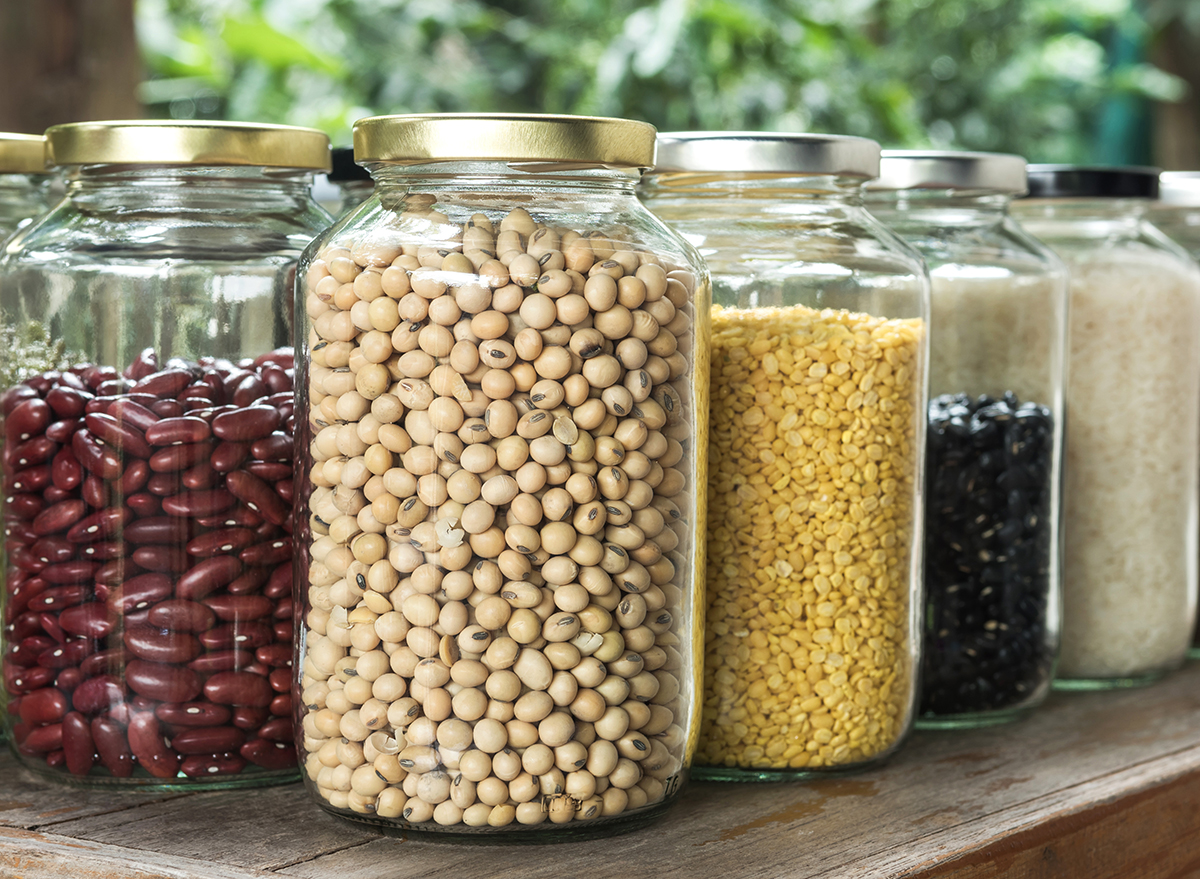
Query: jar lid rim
[22, 153]
[1179, 188]
[999, 173]
[1092, 181]
[192, 142]
[532, 141]
[778, 152]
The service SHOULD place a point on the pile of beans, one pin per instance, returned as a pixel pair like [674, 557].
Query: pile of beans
[987, 554]
[149, 567]
[812, 456]
[499, 601]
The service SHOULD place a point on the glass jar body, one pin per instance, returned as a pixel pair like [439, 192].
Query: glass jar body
[22, 198]
[352, 193]
[147, 475]
[818, 383]
[1134, 316]
[501, 385]
[994, 456]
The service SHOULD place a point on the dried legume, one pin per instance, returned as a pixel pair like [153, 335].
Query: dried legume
[524, 488]
[812, 457]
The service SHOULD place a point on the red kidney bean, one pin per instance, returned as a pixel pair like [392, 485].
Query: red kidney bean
[52, 494]
[278, 729]
[249, 582]
[113, 386]
[258, 495]
[223, 540]
[25, 505]
[143, 365]
[23, 558]
[108, 661]
[95, 491]
[113, 573]
[130, 412]
[283, 610]
[248, 424]
[208, 740]
[167, 383]
[191, 714]
[222, 660]
[180, 615]
[173, 458]
[270, 471]
[197, 397]
[66, 655]
[163, 484]
[56, 759]
[248, 635]
[32, 478]
[149, 747]
[248, 390]
[278, 382]
[270, 553]
[112, 746]
[75, 571]
[105, 551]
[229, 456]
[14, 396]
[205, 765]
[158, 530]
[68, 679]
[58, 597]
[144, 504]
[207, 577]
[249, 718]
[166, 683]
[104, 462]
[122, 437]
[238, 608]
[280, 680]
[98, 694]
[51, 627]
[18, 680]
[276, 656]
[26, 625]
[78, 747]
[199, 476]
[62, 431]
[47, 705]
[135, 477]
[100, 525]
[286, 489]
[163, 559]
[155, 645]
[183, 429]
[268, 754]
[198, 503]
[283, 631]
[281, 705]
[67, 402]
[27, 651]
[42, 739]
[92, 620]
[37, 450]
[140, 592]
[65, 470]
[53, 550]
[28, 418]
[167, 408]
[237, 688]
[238, 517]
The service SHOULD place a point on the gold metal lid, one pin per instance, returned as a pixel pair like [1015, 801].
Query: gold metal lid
[22, 154]
[528, 141]
[150, 142]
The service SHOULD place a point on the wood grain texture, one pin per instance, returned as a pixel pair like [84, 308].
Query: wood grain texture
[1092, 785]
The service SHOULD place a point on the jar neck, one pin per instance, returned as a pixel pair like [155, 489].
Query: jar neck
[943, 207]
[1125, 212]
[23, 195]
[140, 187]
[533, 181]
[819, 189]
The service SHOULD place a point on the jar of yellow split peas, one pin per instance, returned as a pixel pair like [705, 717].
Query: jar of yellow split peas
[817, 414]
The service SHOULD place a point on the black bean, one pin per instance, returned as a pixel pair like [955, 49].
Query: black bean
[987, 554]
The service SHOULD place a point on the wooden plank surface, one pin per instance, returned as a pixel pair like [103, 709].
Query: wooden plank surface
[1096, 785]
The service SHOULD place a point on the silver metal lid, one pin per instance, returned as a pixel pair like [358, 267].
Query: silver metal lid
[766, 152]
[1179, 188]
[948, 169]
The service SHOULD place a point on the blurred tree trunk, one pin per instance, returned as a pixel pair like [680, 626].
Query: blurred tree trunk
[67, 61]
[1177, 126]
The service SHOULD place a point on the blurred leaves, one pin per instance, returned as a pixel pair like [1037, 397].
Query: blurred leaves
[1027, 76]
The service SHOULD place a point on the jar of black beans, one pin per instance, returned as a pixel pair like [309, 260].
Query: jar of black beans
[994, 436]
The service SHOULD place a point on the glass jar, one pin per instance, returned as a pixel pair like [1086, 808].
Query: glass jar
[993, 466]
[818, 386]
[148, 455]
[1129, 494]
[24, 181]
[352, 181]
[502, 380]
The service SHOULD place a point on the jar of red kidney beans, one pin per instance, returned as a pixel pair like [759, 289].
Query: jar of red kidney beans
[147, 455]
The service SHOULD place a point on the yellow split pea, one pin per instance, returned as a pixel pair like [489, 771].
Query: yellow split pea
[812, 457]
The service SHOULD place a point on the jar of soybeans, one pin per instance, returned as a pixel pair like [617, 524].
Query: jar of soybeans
[997, 336]
[1130, 493]
[147, 459]
[816, 439]
[352, 181]
[502, 395]
[24, 181]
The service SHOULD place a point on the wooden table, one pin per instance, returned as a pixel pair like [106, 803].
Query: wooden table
[1093, 785]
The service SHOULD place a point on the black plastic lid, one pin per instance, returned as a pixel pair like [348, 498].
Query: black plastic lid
[344, 168]
[1092, 181]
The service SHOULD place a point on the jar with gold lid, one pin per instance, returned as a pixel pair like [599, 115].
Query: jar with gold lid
[147, 459]
[502, 418]
[24, 181]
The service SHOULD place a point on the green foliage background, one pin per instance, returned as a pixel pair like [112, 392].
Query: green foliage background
[1054, 80]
